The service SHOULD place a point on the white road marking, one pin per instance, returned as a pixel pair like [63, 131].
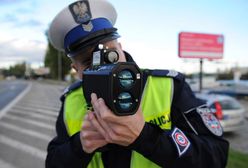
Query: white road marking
[25, 131]
[33, 122]
[13, 102]
[32, 114]
[42, 103]
[23, 147]
[39, 106]
[53, 113]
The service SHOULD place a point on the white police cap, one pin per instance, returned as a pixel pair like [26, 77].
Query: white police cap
[81, 23]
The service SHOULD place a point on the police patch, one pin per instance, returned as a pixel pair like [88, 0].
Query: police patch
[181, 141]
[80, 11]
[210, 121]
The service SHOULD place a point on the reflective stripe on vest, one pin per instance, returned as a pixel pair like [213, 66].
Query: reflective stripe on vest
[156, 105]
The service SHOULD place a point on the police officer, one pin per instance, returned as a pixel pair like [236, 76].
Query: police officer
[170, 129]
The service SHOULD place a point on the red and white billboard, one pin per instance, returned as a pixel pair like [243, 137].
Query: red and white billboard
[198, 45]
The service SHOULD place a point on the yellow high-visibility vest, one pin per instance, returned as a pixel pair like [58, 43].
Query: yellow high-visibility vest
[156, 107]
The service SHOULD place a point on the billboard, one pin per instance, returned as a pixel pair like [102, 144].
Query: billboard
[199, 45]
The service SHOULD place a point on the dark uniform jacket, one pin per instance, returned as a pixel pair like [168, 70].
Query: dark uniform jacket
[206, 148]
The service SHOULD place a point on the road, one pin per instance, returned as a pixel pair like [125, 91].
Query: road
[28, 126]
[238, 139]
[9, 90]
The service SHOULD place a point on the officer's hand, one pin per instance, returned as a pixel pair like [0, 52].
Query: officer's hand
[122, 130]
[90, 138]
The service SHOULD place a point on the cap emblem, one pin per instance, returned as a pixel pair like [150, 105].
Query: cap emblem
[80, 11]
[87, 27]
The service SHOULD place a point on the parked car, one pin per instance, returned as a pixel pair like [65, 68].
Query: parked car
[227, 109]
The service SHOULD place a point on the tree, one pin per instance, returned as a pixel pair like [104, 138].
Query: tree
[17, 70]
[227, 75]
[52, 60]
[244, 76]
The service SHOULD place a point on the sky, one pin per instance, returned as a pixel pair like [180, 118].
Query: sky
[149, 30]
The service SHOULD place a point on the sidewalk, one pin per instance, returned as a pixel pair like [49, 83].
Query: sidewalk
[53, 82]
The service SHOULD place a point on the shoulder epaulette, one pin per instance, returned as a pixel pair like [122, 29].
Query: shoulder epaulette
[70, 88]
[165, 73]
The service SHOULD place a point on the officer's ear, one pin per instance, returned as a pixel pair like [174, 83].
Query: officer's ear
[120, 45]
[73, 65]
[122, 55]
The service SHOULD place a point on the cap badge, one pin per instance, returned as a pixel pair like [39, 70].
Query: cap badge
[80, 11]
[87, 27]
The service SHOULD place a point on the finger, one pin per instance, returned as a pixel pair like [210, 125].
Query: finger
[139, 111]
[93, 98]
[90, 146]
[103, 114]
[91, 135]
[98, 143]
[96, 124]
[113, 131]
[87, 123]
[106, 127]
[100, 108]
[95, 103]
[106, 114]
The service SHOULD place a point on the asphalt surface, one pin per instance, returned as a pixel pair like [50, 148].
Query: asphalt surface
[9, 90]
[28, 126]
[238, 139]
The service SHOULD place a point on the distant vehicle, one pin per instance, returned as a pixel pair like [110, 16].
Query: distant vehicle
[227, 110]
[233, 83]
[232, 88]
[10, 77]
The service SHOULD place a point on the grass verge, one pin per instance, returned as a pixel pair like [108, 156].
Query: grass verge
[237, 159]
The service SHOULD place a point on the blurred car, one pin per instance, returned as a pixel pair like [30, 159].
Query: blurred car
[227, 110]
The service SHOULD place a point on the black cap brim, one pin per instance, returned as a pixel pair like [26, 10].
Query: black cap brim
[101, 36]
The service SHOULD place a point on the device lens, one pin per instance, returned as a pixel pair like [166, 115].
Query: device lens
[112, 56]
[126, 79]
[125, 100]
